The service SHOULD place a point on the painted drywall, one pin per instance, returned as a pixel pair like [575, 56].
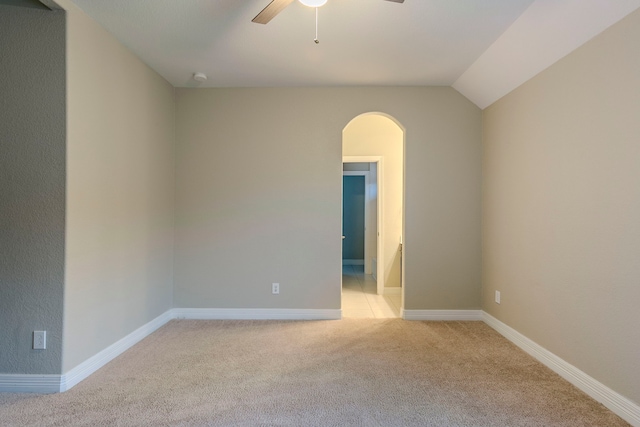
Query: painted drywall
[359, 167]
[353, 204]
[561, 203]
[120, 191]
[32, 187]
[377, 135]
[258, 195]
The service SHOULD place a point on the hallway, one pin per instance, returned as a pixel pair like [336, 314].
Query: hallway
[359, 298]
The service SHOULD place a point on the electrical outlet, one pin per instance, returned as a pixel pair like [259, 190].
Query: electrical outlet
[275, 288]
[39, 340]
[497, 297]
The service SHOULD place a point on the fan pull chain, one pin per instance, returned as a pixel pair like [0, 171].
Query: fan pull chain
[316, 39]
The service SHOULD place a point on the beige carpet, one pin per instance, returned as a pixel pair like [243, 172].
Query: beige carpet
[353, 372]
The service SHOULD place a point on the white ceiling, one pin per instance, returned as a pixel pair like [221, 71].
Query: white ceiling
[362, 42]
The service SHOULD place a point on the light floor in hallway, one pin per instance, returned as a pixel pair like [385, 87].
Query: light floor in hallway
[359, 298]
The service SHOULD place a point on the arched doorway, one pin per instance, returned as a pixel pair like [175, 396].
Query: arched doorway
[373, 145]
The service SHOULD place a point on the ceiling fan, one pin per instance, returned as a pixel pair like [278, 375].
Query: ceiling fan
[277, 6]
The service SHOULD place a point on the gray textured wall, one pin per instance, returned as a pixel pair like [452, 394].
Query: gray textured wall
[32, 187]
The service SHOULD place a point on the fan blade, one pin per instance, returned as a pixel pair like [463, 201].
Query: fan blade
[269, 12]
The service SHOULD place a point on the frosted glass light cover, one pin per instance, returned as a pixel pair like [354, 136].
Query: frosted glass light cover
[313, 3]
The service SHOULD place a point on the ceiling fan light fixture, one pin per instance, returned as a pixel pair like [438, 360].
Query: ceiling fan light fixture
[313, 3]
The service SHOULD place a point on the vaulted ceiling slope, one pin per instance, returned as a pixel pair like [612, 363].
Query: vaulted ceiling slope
[546, 32]
[483, 48]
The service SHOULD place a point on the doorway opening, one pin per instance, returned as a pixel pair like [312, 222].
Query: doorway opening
[373, 216]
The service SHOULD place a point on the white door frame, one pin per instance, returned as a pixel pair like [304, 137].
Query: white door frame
[380, 199]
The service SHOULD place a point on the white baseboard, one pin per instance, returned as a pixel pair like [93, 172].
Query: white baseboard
[97, 361]
[396, 290]
[352, 262]
[256, 314]
[617, 403]
[442, 315]
[27, 383]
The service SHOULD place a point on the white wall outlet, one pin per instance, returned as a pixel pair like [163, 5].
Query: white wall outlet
[497, 297]
[39, 340]
[275, 288]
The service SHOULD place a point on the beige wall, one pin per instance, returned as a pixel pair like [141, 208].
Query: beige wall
[377, 135]
[561, 208]
[258, 190]
[120, 182]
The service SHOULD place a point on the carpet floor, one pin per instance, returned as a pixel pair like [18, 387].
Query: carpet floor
[352, 372]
